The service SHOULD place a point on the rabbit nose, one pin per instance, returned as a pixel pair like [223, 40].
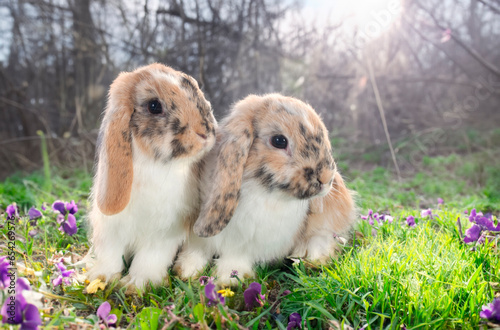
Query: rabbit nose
[325, 178]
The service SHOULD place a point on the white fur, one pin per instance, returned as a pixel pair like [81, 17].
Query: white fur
[150, 228]
[262, 228]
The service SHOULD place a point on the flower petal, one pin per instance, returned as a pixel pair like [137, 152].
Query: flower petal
[472, 234]
[31, 317]
[71, 207]
[58, 206]
[34, 214]
[104, 310]
[69, 226]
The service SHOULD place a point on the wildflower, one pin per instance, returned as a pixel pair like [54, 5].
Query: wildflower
[380, 218]
[205, 279]
[65, 207]
[286, 293]
[226, 292]
[64, 276]
[410, 221]
[12, 211]
[105, 318]
[472, 234]
[4, 272]
[213, 297]
[440, 201]
[491, 311]
[253, 296]
[44, 206]
[66, 217]
[16, 310]
[427, 213]
[481, 223]
[234, 273]
[95, 285]
[369, 215]
[34, 214]
[294, 321]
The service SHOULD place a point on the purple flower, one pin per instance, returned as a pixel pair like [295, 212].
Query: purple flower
[472, 234]
[286, 293]
[427, 213]
[440, 201]
[69, 226]
[104, 316]
[66, 216]
[234, 273]
[4, 272]
[16, 310]
[253, 296]
[213, 296]
[410, 221]
[205, 279]
[12, 211]
[294, 321]
[491, 311]
[380, 218]
[34, 214]
[65, 207]
[369, 215]
[64, 276]
[480, 223]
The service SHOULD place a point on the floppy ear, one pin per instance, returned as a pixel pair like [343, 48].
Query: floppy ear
[114, 169]
[234, 140]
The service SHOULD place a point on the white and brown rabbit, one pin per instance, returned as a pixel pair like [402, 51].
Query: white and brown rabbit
[156, 128]
[271, 169]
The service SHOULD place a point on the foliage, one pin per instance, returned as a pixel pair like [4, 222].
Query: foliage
[388, 276]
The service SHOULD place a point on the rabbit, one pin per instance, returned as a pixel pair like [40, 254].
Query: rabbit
[272, 159]
[156, 129]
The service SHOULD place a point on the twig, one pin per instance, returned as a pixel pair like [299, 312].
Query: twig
[382, 116]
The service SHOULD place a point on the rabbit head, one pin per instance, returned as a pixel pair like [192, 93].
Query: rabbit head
[278, 141]
[154, 110]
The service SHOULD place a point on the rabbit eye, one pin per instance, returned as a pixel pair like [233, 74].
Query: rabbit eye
[154, 106]
[279, 141]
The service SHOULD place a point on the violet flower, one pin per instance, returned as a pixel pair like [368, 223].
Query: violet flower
[16, 310]
[234, 273]
[253, 296]
[379, 218]
[410, 221]
[105, 318]
[66, 217]
[472, 234]
[205, 279]
[64, 276]
[491, 311]
[427, 213]
[34, 214]
[294, 321]
[213, 296]
[481, 224]
[4, 272]
[12, 211]
[440, 201]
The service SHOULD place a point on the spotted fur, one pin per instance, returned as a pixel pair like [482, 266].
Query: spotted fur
[236, 223]
[146, 189]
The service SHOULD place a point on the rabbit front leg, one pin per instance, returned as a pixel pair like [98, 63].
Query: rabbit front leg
[194, 257]
[151, 263]
[108, 255]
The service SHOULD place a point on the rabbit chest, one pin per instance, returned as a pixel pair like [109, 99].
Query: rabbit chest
[264, 224]
[161, 197]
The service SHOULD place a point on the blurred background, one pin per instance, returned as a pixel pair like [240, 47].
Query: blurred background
[420, 77]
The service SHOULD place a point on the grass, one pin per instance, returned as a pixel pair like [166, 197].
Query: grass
[388, 276]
